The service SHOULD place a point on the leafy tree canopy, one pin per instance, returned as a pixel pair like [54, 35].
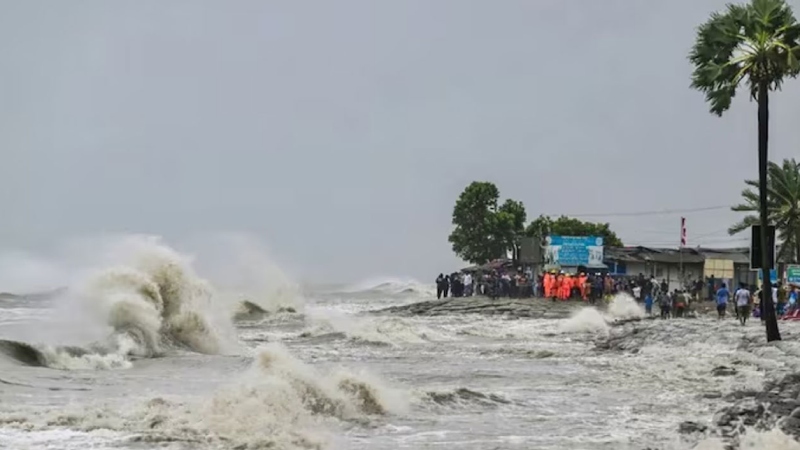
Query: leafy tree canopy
[569, 226]
[783, 206]
[483, 230]
[756, 43]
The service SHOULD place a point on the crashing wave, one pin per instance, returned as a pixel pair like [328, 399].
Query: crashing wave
[152, 303]
[279, 403]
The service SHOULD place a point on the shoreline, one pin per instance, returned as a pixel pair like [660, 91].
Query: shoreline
[534, 307]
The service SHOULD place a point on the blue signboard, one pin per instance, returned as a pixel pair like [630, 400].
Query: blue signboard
[773, 275]
[573, 250]
[793, 274]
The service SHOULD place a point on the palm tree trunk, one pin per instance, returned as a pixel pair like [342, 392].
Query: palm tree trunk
[773, 334]
[797, 247]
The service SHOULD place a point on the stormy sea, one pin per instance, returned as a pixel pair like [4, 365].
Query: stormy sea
[141, 349]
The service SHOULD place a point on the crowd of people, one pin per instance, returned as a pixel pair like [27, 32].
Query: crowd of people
[494, 284]
[560, 286]
[747, 302]
[556, 285]
[521, 283]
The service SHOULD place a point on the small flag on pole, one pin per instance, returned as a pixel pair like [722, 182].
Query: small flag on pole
[683, 231]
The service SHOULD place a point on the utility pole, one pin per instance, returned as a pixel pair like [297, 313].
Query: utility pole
[680, 251]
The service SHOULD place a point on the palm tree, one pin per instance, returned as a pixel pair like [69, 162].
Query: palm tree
[758, 44]
[783, 207]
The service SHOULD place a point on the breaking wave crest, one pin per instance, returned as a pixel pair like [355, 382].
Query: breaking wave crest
[278, 403]
[63, 357]
[150, 302]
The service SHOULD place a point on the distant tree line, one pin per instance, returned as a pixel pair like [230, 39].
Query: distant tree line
[485, 229]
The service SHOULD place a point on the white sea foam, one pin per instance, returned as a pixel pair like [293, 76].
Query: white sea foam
[590, 319]
[753, 440]
[388, 330]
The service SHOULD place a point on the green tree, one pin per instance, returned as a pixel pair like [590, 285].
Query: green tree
[483, 230]
[569, 226]
[757, 44]
[783, 207]
[511, 218]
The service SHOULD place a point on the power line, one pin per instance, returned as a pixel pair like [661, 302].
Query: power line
[651, 213]
[695, 243]
[713, 233]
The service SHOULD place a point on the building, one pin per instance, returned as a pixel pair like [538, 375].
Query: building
[730, 264]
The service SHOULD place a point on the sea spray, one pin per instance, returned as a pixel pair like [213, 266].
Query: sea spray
[587, 319]
[240, 267]
[591, 319]
[624, 307]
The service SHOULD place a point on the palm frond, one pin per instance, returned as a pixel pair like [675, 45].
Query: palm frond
[783, 205]
[746, 223]
[758, 42]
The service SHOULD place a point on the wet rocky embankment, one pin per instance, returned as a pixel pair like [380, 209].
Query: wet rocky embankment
[535, 308]
[777, 405]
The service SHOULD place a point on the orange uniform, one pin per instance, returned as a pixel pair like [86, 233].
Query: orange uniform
[548, 284]
[557, 286]
[566, 288]
[582, 281]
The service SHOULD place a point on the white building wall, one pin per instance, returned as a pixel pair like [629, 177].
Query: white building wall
[668, 271]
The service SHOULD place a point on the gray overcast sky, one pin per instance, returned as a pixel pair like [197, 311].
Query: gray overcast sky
[341, 132]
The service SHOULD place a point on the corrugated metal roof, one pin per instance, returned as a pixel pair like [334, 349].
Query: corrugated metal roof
[673, 255]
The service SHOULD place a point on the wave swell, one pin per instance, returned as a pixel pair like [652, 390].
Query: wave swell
[151, 303]
[278, 403]
[463, 396]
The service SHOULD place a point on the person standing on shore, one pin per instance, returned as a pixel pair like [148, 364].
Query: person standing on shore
[723, 294]
[680, 303]
[468, 287]
[743, 299]
[666, 304]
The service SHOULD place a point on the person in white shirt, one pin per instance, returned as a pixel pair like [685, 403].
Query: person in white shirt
[743, 298]
[467, 285]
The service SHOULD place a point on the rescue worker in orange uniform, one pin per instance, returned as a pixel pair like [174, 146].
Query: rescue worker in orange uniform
[582, 282]
[557, 286]
[566, 287]
[547, 281]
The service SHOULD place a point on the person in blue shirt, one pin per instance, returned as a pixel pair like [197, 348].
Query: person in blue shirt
[648, 304]
[723, 294]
